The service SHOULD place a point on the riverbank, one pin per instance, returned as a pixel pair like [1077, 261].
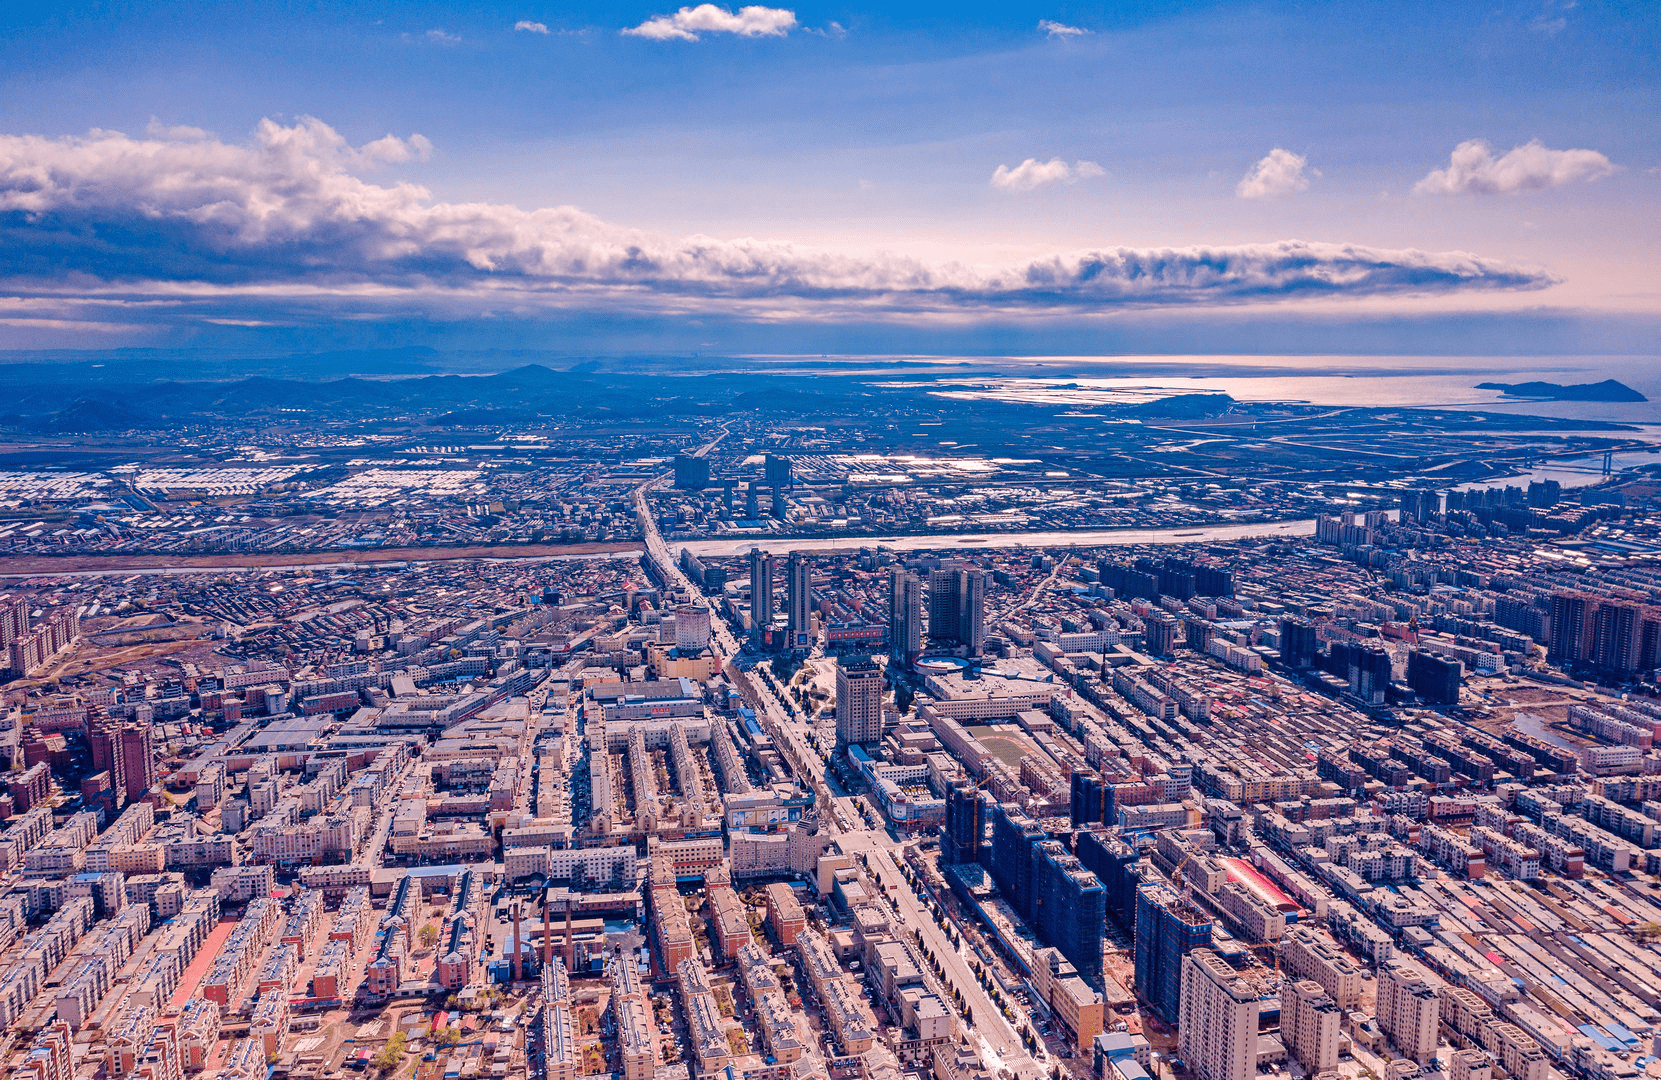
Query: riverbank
[95, 565]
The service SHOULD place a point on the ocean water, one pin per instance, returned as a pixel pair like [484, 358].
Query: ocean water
[1365, 381]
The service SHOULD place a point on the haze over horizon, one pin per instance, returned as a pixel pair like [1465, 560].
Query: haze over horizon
[1176, 178]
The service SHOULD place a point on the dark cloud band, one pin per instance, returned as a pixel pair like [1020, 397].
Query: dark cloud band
[290, 211]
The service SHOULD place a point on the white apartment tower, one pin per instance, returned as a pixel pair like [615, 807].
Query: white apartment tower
[1217, 1025]
[1309, 1022]
[1408, 1010]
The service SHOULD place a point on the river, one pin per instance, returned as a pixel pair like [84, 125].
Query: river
[1204, 534]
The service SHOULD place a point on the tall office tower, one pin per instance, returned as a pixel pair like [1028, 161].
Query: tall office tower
[1167, 930]
[960, 840]
[726, 497]
[691, 473]
[1309, 1022]
[1069, 906]
[1010, 858]
[1217, 1029]
[752, 501]
[1299, 644]
[691, 628]
[1159, 633]
[905, 612]
[1571, 627]
[138, 760]
[858, 701]
[761, 595]
[1434, 678]
[1409, 1010]
[778, 509]
[798, 595]
[957, 601]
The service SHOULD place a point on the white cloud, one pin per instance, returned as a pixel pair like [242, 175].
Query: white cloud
[440, 37]
[687, 23]
[1281, 172]
[532, 27]
[1060, 30]
[282, 227]
[1033, 173]
[1474, 170]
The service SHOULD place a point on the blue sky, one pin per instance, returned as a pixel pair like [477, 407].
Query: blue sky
[840, 173]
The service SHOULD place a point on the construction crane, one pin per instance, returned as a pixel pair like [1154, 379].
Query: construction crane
[1272, 949]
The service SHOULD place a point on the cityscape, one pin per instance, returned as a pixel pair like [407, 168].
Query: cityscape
[720, 541]
[1371, 795]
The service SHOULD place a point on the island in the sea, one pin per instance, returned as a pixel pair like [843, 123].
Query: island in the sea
[1607, 390]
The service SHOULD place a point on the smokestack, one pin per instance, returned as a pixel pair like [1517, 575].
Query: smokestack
[547, 931]
[518, 947]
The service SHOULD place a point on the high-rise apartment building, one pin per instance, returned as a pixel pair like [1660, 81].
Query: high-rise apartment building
[1409, 1010]
[1159, 633]
[1308, 953]
[1571, 627]
[965, 823]
[138, 760]
[957, 601]
[1299, 645]
[691, 473]
[777, 469]
[1217, 1028]
[905, 612]
[1309, 1022]
[1069, 906]
[761, 595]
[1014, 835]
[1434, 678]
[1611, 635]
[858, 701]
[798, 597]
[14, 620]
[1114, 862]
[1168, 928]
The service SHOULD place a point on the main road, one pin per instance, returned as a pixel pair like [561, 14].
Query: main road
[999, 1040]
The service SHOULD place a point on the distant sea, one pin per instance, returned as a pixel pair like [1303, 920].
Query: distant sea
[1088, 382]
[1370, 381]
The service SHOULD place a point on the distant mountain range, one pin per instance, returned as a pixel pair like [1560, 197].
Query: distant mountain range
[1607, 390]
